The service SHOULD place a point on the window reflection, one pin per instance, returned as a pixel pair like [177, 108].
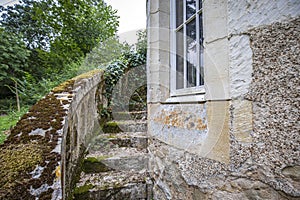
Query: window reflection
[190, 8]
[201, 80]
[192, 58]
[179, 12]
[189, 44]
[179, 59]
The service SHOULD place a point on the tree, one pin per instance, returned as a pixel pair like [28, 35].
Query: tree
[141, 45]
[30, 19]
[88, 22]
[105, 52]
[59, 32]
[13, 61]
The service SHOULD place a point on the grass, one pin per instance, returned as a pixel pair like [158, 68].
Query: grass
[8, 121]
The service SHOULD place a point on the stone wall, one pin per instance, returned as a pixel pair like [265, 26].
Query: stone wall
[275, 95]
[81, 124]
[40, 157]
[242, 142]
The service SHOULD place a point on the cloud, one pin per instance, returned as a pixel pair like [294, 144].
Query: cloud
[132, 14]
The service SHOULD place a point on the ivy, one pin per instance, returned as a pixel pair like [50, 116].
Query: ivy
[116, 70]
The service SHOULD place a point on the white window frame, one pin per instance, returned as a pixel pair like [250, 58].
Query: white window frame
[186, 91]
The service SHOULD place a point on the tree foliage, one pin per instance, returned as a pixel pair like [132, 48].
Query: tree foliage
[105, 52]
[28, 18]
[133, 58]
[41, 22]
[14, 55]
[44, 37]
[59, 32]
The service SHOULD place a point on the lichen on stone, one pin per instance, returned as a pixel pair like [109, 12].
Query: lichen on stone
[83, 189]
[15, 162]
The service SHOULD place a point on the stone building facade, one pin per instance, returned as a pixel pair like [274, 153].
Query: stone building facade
[223, 98]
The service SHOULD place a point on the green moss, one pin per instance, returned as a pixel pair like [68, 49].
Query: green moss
[111, 127]
[18, 159]
[112, 136]
[95, 165]
[21, 152]
[76, 175]
[91, 159]
[47, 113]
[112, 124]
[88, 74]
[83, 189]
[94, 159]
[67, 86]
[64, 87]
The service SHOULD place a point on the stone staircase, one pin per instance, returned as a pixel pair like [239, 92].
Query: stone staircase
[117, 161]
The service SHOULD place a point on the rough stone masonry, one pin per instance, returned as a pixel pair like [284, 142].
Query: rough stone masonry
[247, 145]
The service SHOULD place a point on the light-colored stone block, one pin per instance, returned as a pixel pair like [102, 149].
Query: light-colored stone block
[216, 145]
[159, 6]
[158, 86]
[159, 34]
[193, 128]
[159, 20]
[214, 19]
[158, 57]
[240, 65]
[183, 126]
[158, 23]
[244, 15]
[242, 120]
[216, 70]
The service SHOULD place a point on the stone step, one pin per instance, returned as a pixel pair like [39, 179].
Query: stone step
[135, 115]
[125, 126]
[115, 159]
[137, 140]
[114, 186]
[137, 106]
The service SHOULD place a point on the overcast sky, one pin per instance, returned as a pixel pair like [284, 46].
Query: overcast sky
[132, 13]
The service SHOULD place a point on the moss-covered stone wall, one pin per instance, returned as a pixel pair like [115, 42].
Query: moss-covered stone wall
[40, 157]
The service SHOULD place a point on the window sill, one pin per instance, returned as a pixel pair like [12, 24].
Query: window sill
[188, 91]
[187, 99]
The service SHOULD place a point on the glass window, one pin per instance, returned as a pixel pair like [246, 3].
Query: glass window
[190, 8]
[191, 57]
[188, 43]
[179, 12]
[179, 59]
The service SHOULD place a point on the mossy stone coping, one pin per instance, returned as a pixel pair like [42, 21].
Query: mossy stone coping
[33, 144]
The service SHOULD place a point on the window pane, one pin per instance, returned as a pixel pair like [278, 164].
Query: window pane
[190, 8]
[179, 59]
[201, 50]
[200, 30]
[192, 57]
[201, 79]
[179, 12]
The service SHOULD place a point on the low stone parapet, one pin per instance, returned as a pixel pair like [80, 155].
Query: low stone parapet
[42, 155]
